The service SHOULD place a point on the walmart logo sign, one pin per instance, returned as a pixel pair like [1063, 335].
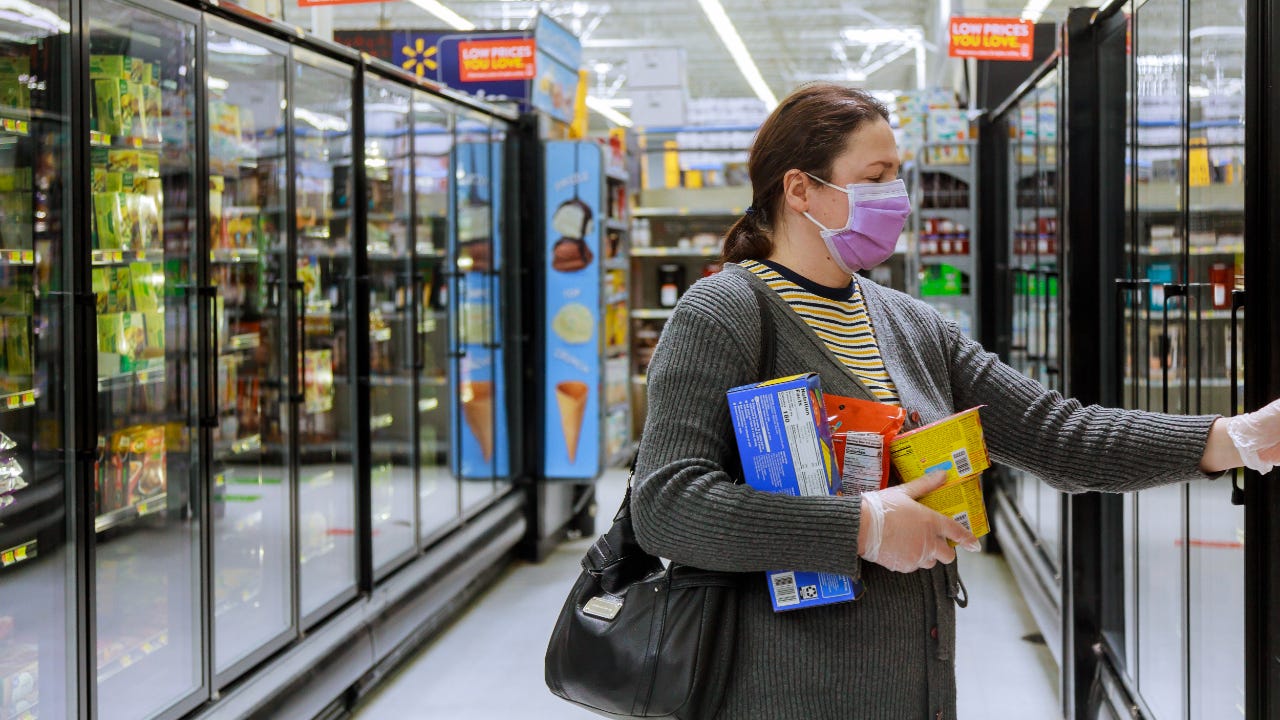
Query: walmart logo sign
[418, 58]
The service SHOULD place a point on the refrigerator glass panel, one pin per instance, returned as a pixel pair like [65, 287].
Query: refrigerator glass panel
[322, 294]
[1215, 200]
[388, 169]
[497, 159]
[1160, 84]
[1047, 250]
[247, 221]
[478, 391]
[148, 566]
[36, 592]
[438, 490]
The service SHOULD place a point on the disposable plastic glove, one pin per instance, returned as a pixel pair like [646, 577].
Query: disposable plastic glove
[1257, 436]
[903, 535]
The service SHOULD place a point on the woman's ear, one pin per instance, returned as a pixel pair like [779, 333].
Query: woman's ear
[795, 190]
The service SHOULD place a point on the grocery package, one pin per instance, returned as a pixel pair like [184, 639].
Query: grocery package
[954, 444]
[784, 442]
[860, 432]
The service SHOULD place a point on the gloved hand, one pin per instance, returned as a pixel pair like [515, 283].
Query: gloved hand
[1256, 436]
[903, 535]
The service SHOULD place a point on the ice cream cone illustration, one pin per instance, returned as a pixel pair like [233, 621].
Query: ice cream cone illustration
[571, 396]
[477, 408]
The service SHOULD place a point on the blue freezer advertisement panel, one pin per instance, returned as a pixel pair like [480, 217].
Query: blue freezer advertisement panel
[574, 187]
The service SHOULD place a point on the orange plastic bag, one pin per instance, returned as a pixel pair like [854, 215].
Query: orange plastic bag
[854, 415]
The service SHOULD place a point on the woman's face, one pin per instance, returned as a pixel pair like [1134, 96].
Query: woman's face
[870, 156]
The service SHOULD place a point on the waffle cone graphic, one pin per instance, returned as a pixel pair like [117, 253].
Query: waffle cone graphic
[477, 409]
[571, 396]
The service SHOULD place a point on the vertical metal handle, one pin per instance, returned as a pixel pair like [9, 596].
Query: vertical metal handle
[418, 293]
[212, 412]
[1171, 290]
[1237, 302]
[297, 291]
[460, 306]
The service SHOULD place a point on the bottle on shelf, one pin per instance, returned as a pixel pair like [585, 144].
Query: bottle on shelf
[670, 284]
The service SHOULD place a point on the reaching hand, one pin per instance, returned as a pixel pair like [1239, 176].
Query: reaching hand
[903, 535]
[1256, 436]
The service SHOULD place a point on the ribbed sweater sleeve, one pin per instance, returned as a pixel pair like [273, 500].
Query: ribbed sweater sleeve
[685, 506]
[1072, 447]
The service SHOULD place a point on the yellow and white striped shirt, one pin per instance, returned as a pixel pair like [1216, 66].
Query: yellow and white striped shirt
[840, 322]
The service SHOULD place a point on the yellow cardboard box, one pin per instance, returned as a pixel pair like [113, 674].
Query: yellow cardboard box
[954, 444]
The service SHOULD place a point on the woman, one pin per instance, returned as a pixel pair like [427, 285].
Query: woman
[827, 203]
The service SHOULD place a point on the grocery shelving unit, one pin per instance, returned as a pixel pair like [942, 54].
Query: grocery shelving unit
[944, 259]
[617, 300]
[676, 239]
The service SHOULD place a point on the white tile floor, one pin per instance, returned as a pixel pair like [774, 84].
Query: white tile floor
[488, 665]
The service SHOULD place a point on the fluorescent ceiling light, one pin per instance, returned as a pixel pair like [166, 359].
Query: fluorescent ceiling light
[882, 35]
[436, 8]
[30, 14]
[602, 108]
[729, 36]
[1034, 9]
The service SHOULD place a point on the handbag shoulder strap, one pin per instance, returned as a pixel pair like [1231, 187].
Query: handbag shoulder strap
[615, 544]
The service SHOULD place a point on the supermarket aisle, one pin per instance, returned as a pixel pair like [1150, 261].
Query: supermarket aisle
[488, 665]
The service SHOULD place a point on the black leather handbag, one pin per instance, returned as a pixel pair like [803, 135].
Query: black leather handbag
[635, 639]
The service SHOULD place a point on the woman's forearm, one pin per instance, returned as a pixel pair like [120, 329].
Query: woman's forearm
[1219, 452]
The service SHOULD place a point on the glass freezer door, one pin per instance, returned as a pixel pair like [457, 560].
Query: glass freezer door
[143, 159]
[1215, 204]
[388, 170]
[1156, 380]
[253, 606]
[322, 296]
[438, 493]
[36, 594]
[479, 383]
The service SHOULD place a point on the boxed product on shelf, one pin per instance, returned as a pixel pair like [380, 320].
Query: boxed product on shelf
[17, 345]
[19, 679]
[15, 87]
[949, 126]
[784, 442]
[108, 220]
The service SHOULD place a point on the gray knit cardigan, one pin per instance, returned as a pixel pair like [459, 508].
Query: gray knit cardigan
[890, 654]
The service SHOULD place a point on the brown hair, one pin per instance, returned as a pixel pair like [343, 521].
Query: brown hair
[805, 132]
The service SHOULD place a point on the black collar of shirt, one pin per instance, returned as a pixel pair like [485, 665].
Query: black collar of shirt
[841, 294]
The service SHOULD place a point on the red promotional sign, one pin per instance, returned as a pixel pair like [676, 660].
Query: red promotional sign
[323, 3]
[992, 38]
[489, 60]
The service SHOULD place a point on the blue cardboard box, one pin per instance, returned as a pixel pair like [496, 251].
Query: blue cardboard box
[784, 441]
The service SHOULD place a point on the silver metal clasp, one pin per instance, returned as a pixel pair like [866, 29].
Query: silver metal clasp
[605, 607]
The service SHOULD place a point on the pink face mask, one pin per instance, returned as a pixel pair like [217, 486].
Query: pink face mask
[877, 214]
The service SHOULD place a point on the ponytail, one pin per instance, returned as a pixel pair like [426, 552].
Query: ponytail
[747, 239]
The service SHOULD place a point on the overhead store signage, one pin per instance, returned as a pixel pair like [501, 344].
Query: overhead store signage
[488, 60]
[322, 3]
[992, 38]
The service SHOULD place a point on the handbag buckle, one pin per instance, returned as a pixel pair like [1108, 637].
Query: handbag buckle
[605, 607]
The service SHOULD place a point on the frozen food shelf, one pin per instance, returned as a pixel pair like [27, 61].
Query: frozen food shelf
[17, 554]
[17, 257]
[131, 655]
[234, 255]
[243, 445]
[115, 518]
[245, 341]
[651, 313]
[14, 126]
[18, 400]
[1232, 249]
[100, 139]
[951, 213]
[708, 252]
[126, 381]
[121, 257]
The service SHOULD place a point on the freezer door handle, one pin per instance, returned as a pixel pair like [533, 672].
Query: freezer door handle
[297, 289]
[1237, 304]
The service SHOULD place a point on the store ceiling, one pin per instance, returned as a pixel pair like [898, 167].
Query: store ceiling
[791, 41]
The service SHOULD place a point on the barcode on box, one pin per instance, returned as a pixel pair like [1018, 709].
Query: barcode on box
[961, 458]
[963, 519]
[784, 589]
